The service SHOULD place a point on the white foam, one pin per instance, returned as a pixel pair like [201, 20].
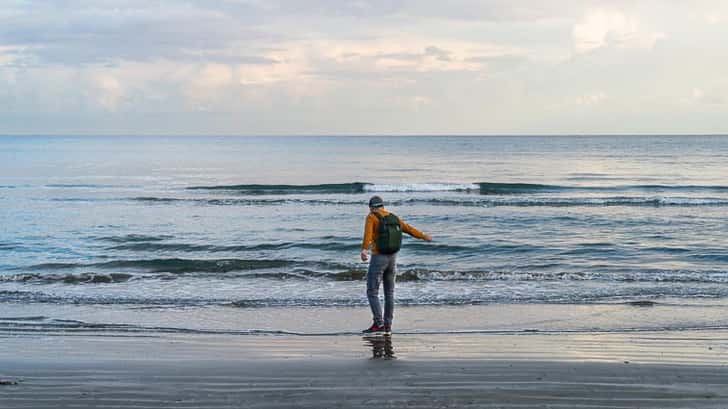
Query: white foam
[421, 187]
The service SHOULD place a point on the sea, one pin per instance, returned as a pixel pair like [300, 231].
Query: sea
[102, 231]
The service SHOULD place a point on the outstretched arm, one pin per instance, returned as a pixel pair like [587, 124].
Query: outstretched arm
[414, 232]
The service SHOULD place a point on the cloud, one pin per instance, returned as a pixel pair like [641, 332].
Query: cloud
[88, 32]
[430, 58]
[603, 28]
[94, 32]
[438, 53]
[318, 66]
[398, 55]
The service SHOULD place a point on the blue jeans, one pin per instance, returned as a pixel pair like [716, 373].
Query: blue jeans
[382, 267]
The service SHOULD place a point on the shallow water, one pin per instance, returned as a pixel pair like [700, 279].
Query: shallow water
[193, 222]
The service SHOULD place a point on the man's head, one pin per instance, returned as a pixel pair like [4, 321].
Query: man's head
[376, 202]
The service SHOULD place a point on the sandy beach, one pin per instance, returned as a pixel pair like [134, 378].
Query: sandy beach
[645, 370]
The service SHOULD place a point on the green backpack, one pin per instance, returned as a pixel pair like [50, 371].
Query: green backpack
[390, 234]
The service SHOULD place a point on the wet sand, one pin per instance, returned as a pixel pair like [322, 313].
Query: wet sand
[651, 370]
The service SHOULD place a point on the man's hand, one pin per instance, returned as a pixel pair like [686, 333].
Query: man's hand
[428, 237]
[364, 255]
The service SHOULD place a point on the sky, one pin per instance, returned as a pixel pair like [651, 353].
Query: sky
[254, 67]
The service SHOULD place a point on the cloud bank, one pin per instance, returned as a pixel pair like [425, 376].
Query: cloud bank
[362, 67]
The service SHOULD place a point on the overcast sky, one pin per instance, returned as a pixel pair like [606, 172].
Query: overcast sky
[363, 67]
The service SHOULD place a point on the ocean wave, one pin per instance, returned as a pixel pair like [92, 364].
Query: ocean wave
[482, 188]
[41, 297]
[485, 188]
[113, 278]
[135, 238]
[661, 276]
[170, 265]
[356, 187]
[83, 278]
[447, 296]
[8, 246]
[519, 201]
[169, 269]
[718, 258]
[422, 187]
[363, 187]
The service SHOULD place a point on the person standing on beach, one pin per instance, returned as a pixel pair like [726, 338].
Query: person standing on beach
[383, 234]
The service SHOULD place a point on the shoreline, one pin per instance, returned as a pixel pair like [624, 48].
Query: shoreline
[655, 370]
[491, 319]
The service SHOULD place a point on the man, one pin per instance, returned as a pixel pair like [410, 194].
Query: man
[382, 232]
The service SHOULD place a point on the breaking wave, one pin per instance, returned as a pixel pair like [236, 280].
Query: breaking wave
[623, 295]
[169, 269]
[486, 188]
[362, 187]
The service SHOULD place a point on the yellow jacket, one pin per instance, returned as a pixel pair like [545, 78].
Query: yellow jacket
[371, 230]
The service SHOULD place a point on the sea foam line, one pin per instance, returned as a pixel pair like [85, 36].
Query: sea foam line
[14, 325]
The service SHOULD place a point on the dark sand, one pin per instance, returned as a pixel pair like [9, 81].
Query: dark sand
[655, 370]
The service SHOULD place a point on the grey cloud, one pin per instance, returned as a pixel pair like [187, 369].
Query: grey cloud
[104, 31]
[439, 53]
[59, 33]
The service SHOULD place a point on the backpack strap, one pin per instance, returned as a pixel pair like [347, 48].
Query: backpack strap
[388, 219]
[381, 218]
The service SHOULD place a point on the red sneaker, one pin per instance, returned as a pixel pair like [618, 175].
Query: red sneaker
[374, 329]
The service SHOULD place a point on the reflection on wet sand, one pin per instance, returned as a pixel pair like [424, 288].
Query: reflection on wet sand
[381, 346]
